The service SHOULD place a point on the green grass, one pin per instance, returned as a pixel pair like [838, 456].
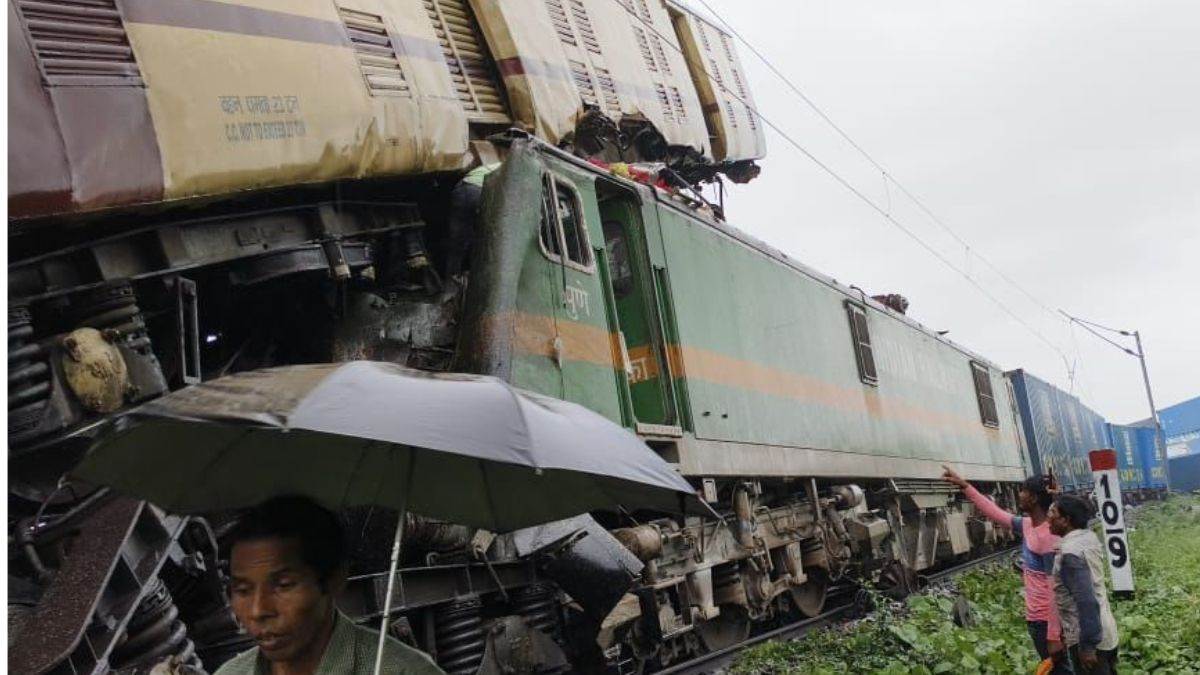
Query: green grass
[1160, 626]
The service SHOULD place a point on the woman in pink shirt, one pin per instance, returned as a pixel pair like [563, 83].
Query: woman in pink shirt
[1038, 547]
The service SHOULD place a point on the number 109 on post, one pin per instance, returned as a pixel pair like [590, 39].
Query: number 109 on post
[1112, 518]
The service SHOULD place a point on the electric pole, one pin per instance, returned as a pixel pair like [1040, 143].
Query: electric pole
[1159, 440]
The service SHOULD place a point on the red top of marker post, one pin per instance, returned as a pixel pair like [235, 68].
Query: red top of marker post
[1103, 460]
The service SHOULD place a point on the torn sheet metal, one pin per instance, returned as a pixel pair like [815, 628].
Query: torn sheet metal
[622, 58]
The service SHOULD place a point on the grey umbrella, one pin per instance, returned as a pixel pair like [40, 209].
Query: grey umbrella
[462, 448]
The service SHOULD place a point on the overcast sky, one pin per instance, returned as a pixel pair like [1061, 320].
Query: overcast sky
[1060, 139]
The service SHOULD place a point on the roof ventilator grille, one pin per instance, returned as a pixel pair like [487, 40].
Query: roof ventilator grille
[80, 42]
[558, 17]
[583, 82]
[585, 26]
[608, 88]
[471, 69]
[376, 54]
[664, 101]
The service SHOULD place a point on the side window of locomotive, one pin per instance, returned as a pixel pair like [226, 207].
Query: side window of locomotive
[570, 218]
[983, 392]
[562, 227]
[861, 338]
[549, 228]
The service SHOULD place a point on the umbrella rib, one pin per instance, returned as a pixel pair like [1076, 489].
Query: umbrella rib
[354, 474]
[524, 423]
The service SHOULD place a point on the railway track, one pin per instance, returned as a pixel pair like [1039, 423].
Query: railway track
[715, 662]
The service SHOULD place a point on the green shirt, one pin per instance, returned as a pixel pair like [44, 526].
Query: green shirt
[475, 176]
[351, 651]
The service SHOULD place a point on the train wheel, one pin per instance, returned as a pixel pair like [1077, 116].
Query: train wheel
[809, 597]
[729, 628]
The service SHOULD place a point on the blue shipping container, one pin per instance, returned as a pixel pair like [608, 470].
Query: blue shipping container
[1129, 461]
[1059, 430]
[1151, 457]
[1185, 473]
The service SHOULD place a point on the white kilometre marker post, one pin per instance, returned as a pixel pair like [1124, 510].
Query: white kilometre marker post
[1112, 519]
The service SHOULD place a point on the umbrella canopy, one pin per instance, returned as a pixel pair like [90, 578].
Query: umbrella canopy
[469, 449]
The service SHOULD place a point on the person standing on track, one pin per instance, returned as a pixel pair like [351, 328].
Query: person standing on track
[1038, 547]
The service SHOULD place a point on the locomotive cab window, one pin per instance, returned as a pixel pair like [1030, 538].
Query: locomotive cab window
[549, 227]
[983, 392]
[861, 339]
[563, 232]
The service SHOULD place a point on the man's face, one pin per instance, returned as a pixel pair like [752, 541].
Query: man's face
[1058, 523]
[278, 598]
[1026, 501]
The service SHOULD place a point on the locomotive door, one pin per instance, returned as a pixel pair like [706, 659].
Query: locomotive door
[639, 328]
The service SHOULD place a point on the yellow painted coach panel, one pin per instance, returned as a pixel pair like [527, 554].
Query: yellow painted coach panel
[532, 65]
[721, 84]
[557, 55]
[278, 93]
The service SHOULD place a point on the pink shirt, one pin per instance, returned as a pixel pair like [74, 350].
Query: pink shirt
[1038, 547]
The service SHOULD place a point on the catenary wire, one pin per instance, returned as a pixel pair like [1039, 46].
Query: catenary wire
[853, 190]
[1084, 324]
[888, 177]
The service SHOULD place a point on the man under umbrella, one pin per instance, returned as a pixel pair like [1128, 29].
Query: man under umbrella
[287, 560]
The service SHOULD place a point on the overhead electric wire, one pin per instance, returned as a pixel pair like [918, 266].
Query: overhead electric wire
[856, 192]
[1095, 325]
[888, 177]
[1085, 325]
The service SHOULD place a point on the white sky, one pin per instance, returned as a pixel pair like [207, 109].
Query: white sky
[1060, 139]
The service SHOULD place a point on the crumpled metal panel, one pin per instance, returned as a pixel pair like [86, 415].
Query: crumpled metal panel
[620, 57]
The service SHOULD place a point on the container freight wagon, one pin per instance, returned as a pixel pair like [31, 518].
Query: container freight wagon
[1124, 440]
[1150, 456]
[1059, 430]
[1049, 438]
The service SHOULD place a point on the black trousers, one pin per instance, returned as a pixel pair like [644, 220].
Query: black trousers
[1106, 662]
[1037, 631]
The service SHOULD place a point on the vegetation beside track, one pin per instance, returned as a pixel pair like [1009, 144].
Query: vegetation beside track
[1160, 627]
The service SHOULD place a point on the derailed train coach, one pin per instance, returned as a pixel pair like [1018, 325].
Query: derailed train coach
[199, 188]
[124, 102]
